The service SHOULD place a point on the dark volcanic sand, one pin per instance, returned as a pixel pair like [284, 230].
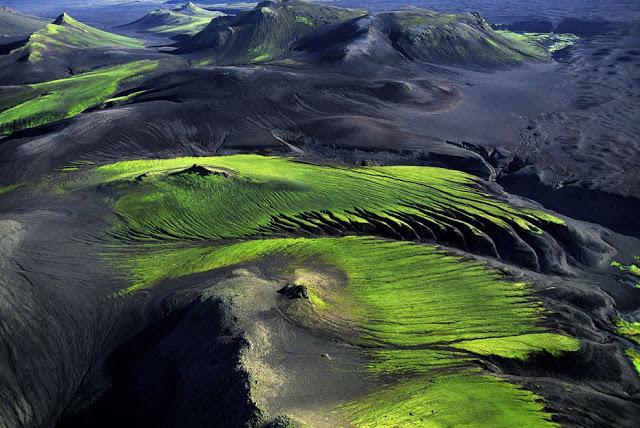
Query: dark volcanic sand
[564, 134]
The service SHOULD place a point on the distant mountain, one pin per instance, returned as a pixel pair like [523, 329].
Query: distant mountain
[263, 33]
[67, 33]
[311, 32]
[465, 40]
[186, 19]
[193, 9]
[61, 47]
[13, 23]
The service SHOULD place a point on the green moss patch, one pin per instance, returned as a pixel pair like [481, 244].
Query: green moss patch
[466, 399]
[634, 356]
[521, 346]
[9, 188]
[632, 269]
[629, 329]
[42, 103]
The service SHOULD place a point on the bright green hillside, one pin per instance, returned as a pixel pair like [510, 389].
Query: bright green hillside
[38, 104]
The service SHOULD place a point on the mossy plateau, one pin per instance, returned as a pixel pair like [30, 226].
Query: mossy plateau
[38, 104]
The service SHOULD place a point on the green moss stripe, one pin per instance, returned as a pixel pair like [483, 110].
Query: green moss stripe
[275, 196]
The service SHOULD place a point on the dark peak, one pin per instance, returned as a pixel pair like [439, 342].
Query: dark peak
[200, 170]
[63, 18]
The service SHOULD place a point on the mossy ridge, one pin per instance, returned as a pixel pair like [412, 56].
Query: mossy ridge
[263, 33]
[410, 202]
[415, 308]
[67, 33]
[184, 20]
[47, 102]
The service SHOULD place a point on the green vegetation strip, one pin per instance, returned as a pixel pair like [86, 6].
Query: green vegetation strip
[42, 103]
[629, 329]
[275, 196]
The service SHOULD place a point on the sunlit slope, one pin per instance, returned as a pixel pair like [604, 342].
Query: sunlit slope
[28, 106]
[263, 33]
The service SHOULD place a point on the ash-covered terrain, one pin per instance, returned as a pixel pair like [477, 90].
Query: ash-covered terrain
[292, 213]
